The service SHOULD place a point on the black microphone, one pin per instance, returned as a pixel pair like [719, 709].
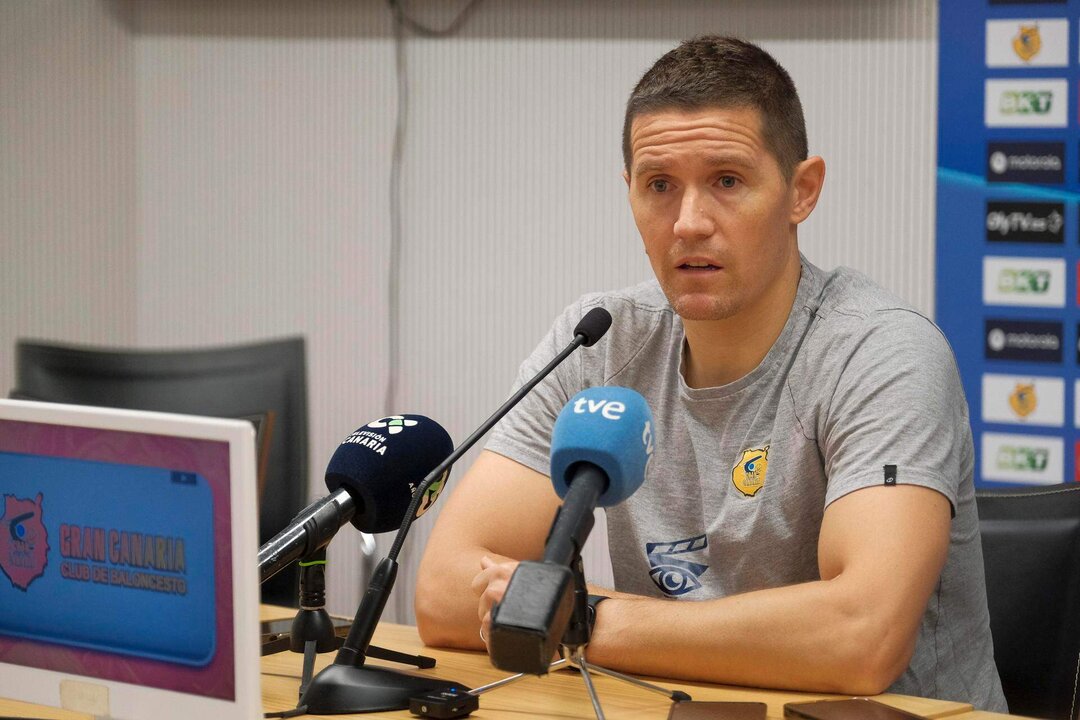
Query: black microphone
[600, 451]
[592, 326]
[347, 686]
[372, 476]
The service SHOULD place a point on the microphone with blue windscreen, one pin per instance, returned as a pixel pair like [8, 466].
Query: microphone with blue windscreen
[600, 450]
[609, 427]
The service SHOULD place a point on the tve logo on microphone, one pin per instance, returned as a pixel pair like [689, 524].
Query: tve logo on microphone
[614, 410]
[610, 409]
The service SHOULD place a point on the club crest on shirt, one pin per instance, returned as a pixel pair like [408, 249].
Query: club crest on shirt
[748, 475]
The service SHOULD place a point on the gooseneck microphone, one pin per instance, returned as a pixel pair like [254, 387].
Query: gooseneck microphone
[600, 452]
[347, 686]
[592, 326]
[371, 478]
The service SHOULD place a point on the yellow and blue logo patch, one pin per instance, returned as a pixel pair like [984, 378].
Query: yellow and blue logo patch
[750, 469]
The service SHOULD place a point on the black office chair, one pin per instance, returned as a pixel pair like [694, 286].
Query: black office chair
[1031, 550]
[265, 382]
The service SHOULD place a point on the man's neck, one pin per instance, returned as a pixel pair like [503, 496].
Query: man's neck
[719, 352]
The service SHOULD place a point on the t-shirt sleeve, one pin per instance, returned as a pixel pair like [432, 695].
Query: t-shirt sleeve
[898, 412]
[524, 434]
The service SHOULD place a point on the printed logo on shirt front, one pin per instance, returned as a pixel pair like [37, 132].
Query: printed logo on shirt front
[1026, 222]
[1023, 400]
[670, 572]
[1029, 459]
[1027, 102]
[1032, 341]
[1026, 162]
[748, 474]
[1032, 282]
[1027, 43]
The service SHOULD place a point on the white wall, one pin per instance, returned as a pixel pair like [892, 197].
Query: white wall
[67, 175]
[262, 139]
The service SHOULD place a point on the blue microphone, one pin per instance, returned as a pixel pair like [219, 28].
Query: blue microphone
[609, 427]
[600, 450]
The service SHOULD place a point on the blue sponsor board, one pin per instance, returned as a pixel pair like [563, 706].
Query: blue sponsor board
[1008, 241]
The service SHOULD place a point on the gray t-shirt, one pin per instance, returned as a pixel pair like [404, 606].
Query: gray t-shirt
[858, 390]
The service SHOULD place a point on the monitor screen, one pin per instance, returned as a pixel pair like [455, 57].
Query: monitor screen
[116, 556]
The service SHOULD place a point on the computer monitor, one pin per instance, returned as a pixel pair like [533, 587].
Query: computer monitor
[128, 553]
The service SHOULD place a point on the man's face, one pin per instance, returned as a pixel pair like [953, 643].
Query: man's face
[713, 209]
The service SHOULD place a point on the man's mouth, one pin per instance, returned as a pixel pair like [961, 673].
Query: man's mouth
[696, 266]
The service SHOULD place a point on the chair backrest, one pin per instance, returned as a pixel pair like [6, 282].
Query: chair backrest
[266, 380]
[1031, 550]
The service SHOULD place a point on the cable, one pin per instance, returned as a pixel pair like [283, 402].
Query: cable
[402, 22]
[425, 31]
[394, 279]
[393, 285]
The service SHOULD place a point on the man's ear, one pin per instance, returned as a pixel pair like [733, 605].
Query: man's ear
[626, 177]
[806, 185]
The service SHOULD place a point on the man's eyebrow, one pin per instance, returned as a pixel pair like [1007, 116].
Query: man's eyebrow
[732, 159]
[649, 166]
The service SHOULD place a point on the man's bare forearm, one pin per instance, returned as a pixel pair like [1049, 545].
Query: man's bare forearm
[814, 636]
[446, 613]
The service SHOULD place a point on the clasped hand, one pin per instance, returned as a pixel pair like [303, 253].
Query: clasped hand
[490, 586]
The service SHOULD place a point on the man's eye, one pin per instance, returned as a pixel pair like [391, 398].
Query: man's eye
[659, 185]
[728, 181]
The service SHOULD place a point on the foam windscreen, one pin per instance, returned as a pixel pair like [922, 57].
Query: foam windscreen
[593, 325]
[383, 462]
[610, 427]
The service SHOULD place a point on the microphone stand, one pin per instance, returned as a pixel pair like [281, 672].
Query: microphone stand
[348, 686]
[313, 631]
[572, 647]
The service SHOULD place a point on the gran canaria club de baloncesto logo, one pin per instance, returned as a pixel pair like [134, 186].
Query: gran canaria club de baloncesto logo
[24, 542]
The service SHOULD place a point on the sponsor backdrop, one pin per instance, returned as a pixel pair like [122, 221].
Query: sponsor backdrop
[1008, 240]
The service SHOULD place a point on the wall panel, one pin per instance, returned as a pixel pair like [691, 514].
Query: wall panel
[67, 175]
[251, 161]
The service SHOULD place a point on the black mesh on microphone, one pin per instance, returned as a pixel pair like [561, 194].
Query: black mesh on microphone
[593, 325]
[381, 463]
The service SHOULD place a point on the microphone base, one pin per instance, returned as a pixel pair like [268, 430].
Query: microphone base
[341, 689]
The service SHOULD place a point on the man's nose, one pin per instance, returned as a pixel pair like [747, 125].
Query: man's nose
[695, 220]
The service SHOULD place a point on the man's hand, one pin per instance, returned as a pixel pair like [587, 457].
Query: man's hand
[490, 585]
[501, 510]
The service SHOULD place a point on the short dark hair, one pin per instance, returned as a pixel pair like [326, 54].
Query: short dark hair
[724, 72]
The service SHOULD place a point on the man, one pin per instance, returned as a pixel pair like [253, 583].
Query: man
[809, 519]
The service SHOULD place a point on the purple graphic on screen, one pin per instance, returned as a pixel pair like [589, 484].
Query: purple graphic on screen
[208, 459]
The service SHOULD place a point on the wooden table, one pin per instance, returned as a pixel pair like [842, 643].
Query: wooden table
[560, 695]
